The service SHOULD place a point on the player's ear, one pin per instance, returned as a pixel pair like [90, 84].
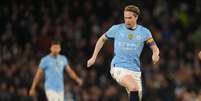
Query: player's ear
[136, 16]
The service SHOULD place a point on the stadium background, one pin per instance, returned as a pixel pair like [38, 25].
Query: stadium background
[27, 27]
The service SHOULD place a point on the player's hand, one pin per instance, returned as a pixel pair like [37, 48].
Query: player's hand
[80, 82]
[155, 58]
[32, 92]
[199, 55]
[90, 62]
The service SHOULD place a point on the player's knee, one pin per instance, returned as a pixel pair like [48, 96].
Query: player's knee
[133, 88]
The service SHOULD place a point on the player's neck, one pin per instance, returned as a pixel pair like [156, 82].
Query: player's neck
[53, 55]
[132, 27]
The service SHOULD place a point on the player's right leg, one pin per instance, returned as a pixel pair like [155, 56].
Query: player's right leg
[51, 95]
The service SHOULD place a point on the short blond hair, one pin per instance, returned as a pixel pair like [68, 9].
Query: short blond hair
[132, 8]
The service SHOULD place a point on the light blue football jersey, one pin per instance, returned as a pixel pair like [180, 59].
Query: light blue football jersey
[53, 68]
[128, 45]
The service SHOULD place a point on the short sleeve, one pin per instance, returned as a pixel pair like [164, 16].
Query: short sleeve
[149, 39]
[65, 61]
[111, 32]
[42, 64]
[148, 34]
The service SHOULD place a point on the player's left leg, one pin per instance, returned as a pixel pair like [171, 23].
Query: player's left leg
[60, 96]
[54, 95]
[137, 78]
[130, 80]
[132, 86]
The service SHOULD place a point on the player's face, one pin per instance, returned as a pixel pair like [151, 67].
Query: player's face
[130, 19]
[55, 49]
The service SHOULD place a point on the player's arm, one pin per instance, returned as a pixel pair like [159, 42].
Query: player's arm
[155, 55]
[98, 46]
[73, 75]
[37, 78]
[155, 50]
[199, 55]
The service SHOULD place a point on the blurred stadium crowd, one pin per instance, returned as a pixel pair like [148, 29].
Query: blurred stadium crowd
[27, 28]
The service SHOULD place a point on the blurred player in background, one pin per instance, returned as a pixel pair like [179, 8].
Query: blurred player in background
[129, 39]
[52, 67]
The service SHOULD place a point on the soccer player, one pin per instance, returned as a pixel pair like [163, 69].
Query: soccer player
[129, 38]
[52, 67]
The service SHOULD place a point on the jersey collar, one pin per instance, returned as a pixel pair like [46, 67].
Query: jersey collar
[131, 28]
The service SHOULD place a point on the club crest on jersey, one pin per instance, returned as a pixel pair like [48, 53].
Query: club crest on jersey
[59, 62]
[130, 36]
